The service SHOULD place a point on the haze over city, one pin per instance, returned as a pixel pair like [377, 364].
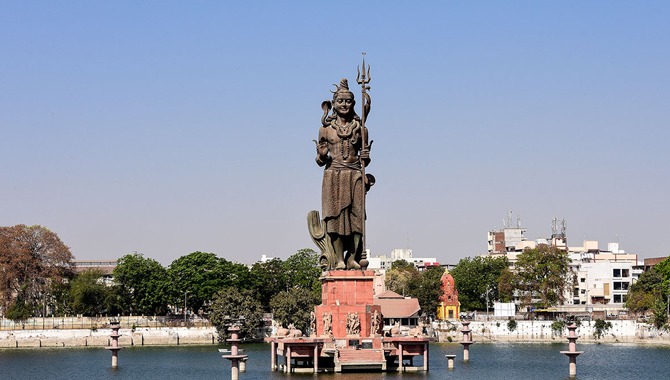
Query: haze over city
[168, 128]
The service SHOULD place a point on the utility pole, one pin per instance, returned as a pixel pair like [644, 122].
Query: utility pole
[185, 293]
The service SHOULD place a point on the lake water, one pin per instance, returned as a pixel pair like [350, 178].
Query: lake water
[499, 361]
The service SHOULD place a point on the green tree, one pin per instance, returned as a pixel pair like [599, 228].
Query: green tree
[294, 307]
[201, 275]
[269, 279]
[32, 259]
[303, 271]
[474, 277]
[542, 275]
[402, 277]
[142, 285]
[427, 288]
[88, 295]
[643, 294]
[236, 307]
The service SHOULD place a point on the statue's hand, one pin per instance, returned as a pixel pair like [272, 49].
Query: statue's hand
[365, 154]
[321, 149]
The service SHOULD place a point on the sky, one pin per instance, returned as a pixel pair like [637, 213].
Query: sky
[168, 127]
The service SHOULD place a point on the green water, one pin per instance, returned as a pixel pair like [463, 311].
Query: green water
[500, 361]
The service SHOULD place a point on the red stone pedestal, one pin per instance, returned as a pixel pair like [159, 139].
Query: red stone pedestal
[346, 292]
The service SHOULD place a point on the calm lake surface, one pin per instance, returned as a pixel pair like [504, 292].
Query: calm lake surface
[499, 361]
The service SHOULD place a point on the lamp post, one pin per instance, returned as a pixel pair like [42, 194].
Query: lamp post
[185, 293]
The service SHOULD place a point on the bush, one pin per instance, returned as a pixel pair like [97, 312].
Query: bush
[511, 325]
[601, 327]
[557, 326]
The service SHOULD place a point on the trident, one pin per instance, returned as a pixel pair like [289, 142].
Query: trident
[363, 79]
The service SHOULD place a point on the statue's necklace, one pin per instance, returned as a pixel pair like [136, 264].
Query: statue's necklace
[344, 131]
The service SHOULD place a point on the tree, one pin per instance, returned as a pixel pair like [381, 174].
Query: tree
[541, 275]
[303, 271]
[201, 275]
[294, 307]
[643, 294]
[474, 277]
[32, 259]
[269, 279]
[427, 288]
[87, 294]
[239, 307]
[142, 285]
[399, 278]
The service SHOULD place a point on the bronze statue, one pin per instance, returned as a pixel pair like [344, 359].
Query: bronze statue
[343, 149]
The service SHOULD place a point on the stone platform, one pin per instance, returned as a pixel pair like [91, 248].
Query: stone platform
[334, 348]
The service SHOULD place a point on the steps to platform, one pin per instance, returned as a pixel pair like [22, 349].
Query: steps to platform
[360, 359]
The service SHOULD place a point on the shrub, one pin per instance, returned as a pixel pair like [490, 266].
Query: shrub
[601, 326]
[557, 326]
[511, 325]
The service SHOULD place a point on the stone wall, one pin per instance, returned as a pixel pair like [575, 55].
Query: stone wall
[540, 331]
[100, 337]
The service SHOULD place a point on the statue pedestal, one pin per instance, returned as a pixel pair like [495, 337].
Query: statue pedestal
[346, 293]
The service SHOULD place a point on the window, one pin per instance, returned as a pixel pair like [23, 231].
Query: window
[625, 273]
[617, 298]
[624, 285]
[583, 291]
[616, 273]
[583, 279]
[576, 293]
[617, 286]
[575, 301]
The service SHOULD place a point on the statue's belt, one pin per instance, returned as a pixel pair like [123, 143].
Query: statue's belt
[336, 165]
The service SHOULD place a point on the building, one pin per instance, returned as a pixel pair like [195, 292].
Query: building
[385, 262]
[398, 309]
[105, 266]
[449, 307]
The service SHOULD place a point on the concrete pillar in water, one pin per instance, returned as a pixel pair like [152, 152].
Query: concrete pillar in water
[450, 358]
[572, 352]
[234, 356]
[467, 341]
[115, 325]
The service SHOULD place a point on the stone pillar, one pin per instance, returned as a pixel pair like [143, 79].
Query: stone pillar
[467, 340]
[451, 358]
[273, 350]
[400, 366]
[288, 357]
[115, 325]
[243, 365]
[425, 357]
[235, 372]
[316, 358]
[572, 352]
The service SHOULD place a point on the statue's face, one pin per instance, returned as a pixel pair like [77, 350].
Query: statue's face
[344, 103]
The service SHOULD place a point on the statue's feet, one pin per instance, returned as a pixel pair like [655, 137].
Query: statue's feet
[340, 265]
[352, 264]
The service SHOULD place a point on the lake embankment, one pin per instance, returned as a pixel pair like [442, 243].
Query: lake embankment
[143, 336]
[622, 331]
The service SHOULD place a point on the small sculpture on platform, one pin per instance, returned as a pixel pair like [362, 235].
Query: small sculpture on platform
[353, 324]
[395, 330]
[327, 324]
[343, 149]
[281, 331]
[375, 323]
[293, 332]
[417, 331]
[312, 324]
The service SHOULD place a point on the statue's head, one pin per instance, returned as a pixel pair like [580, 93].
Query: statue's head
[343, 99]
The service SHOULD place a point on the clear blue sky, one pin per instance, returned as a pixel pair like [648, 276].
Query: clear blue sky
[168, 127]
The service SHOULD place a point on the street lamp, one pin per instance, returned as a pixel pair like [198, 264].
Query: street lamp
[185, 293]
